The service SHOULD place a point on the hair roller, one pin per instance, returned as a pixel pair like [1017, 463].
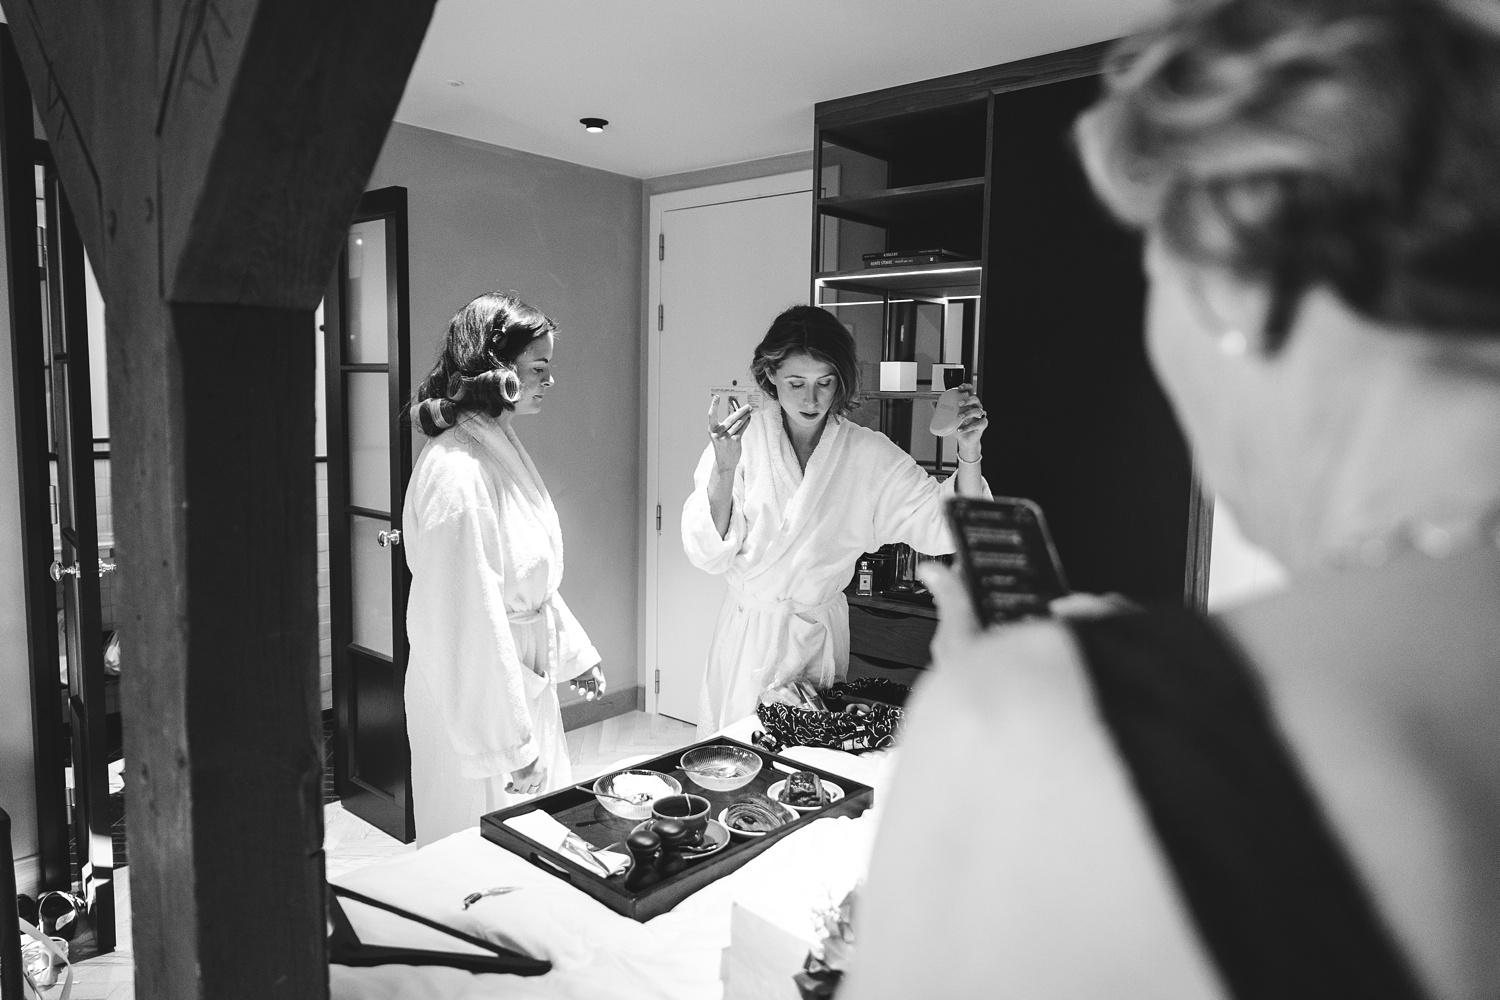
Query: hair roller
[499, 383]
[457, 388]
[510, 384]
[434, 415]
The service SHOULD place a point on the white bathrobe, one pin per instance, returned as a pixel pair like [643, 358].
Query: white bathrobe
[791, 548]
[490, 634]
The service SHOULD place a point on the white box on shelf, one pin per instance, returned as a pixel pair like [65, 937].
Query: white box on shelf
[898, 376]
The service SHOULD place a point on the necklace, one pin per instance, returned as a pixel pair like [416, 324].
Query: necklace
[1434, 539]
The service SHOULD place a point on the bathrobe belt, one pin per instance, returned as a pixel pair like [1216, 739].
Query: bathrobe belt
[801, 628]
[547, 612]
[786, 606]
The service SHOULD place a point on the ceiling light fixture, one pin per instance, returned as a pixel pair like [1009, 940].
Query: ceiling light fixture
[593, 124]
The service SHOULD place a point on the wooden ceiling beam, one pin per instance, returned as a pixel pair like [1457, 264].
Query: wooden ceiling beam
[272, 188]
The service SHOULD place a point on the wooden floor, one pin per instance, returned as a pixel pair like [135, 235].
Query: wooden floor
[349, 842]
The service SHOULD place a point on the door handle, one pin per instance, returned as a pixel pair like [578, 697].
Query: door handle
[105, 567]
[57, 571]
[388, 538]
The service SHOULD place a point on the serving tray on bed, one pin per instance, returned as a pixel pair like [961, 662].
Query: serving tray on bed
[580, 812]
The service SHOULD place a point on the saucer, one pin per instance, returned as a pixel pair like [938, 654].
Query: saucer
[715, 839]
[835, 793]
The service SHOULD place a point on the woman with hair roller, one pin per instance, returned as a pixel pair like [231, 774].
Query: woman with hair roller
[1298, 796]
[490, 635]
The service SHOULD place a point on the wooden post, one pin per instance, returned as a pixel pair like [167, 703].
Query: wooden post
[213, 154]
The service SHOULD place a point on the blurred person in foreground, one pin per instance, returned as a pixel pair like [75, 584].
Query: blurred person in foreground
[1299, 797]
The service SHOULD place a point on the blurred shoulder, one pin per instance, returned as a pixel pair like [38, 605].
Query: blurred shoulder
[1014, 670]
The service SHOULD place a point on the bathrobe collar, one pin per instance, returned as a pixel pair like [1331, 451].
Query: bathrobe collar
[505, 447]
[796, 492]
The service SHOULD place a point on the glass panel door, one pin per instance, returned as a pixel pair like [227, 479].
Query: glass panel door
[77, 567]
[367, 380]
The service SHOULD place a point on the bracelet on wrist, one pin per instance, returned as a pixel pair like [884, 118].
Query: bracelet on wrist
[965, 461]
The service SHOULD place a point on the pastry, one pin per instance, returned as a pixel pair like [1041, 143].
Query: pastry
[804, 789]
[755, 814]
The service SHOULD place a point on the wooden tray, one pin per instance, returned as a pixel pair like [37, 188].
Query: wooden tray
[580, 812]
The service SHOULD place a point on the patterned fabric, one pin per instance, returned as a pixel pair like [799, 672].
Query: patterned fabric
[848, 724]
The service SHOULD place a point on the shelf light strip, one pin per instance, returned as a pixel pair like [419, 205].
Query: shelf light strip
[882, 302]
[932, 302]
[879, 274]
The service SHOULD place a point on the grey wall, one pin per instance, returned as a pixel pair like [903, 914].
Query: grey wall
[17, 792]
[568, 238]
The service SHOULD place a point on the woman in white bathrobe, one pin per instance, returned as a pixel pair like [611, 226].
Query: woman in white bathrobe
[490, 634]
[786, 500]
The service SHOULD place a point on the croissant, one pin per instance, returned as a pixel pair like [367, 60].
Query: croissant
[755, 814]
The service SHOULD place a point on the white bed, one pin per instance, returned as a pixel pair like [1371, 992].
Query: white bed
[595, 952]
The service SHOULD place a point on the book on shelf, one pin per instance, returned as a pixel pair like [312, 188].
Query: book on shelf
[911, 259]
[935, 252]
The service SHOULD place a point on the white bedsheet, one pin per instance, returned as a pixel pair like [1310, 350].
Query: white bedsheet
[595, 952]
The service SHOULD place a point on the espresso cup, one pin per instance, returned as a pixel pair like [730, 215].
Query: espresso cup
[691, 810]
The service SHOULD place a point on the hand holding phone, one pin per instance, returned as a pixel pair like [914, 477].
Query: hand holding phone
[1006, 556]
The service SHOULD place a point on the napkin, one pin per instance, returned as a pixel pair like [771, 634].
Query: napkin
[542, 828]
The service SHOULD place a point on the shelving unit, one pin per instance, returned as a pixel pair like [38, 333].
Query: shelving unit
[1045, 312]
[905, 205]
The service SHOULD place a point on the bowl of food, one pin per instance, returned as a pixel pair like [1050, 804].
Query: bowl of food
[720, 767]
[755, 816]
[631, 794]
[805, 792]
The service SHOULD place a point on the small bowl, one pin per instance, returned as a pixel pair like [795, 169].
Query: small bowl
[627, 810]
[721, 768]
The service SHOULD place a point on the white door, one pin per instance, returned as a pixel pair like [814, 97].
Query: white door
[725, 270]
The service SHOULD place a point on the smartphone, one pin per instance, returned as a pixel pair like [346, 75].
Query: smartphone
[731, 398]
[1007, 558]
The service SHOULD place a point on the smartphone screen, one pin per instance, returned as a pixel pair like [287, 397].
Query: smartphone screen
[1007, 557]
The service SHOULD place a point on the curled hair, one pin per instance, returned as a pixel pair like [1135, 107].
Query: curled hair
[818, 334]
[1349, 144]
[476, 368]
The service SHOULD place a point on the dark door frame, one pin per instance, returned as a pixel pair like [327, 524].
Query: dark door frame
[18, 158]
[80, 567]
[388, 808]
